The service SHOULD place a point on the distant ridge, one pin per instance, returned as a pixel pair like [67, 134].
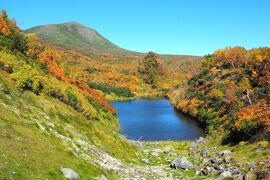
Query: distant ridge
[73, 35]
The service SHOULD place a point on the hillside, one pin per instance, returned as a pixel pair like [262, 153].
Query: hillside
[54, 117]
[232, 92]
[74, 35]
[88, 57]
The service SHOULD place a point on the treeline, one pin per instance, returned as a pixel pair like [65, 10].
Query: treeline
[232, 90]
[119, 91]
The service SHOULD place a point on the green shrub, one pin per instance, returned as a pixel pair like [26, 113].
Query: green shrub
[91, 69]
[124, 92]
[19, 42]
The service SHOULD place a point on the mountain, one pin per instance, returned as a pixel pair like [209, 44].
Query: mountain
[74, 35]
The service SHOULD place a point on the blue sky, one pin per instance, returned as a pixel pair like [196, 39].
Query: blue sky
[195, 27]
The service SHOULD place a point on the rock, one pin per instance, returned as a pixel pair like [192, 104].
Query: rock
[225, 174]
[234, 171]
[166, 150]
[224, 153]
[191, 153]
[251, 164]
[200, 140]
[218, 167]
[239, 177]
[204, 152]
[207, 170]
[215, 160]
[145, 161]
[102, 177]
[194, 146]
[172, 154]
[181, 163]
[228, 159]
[69, 173]
[247, 176]
[205, 161]
[154, 153]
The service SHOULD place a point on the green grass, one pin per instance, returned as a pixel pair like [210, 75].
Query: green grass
[26, 152]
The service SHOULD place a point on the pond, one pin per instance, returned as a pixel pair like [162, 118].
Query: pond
[154, 120]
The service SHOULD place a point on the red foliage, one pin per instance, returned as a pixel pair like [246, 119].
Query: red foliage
[48, 58]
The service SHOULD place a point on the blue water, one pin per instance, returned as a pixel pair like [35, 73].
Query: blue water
[154, 120]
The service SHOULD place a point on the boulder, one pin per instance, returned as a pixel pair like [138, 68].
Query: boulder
[224, 153]
[234, 170]
[69, 173]
[204, 152]
[201, 140]
[172, 154]
[154, 153]
[218, 167]
[251, 164]
[247, 176]
[207, 170]
[225, 174]
[227, 159]
[166, 150]
[194, 146]
[145, 161]
[102, 177]
[215, 160]
[191, 153]
[181, 163]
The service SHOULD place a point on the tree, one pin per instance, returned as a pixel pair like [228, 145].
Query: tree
[150, 68]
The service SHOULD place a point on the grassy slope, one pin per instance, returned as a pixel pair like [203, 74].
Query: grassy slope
[27, 152]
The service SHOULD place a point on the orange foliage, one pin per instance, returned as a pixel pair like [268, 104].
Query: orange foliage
[7, 27]
[49, 56]
[259, 111]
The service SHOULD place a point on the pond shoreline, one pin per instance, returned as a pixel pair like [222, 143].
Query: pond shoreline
[155, 119]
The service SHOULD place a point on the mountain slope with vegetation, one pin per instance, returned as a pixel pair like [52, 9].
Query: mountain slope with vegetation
[232, 90]
[107, 72]
[53, 114]
[75, 35]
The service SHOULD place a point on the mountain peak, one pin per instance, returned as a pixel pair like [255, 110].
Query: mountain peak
[75, 35]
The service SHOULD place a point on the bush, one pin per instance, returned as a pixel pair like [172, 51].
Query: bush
[19, 43]
[5, 42]
[124, 92]
[91, 69]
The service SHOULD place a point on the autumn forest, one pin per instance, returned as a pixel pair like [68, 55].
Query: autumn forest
[55, 97]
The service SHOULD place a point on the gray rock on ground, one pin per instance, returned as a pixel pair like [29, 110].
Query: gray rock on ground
[207, 170]
[204, 152]
[201, 140]
[145, 161]
[194, 146]
[228, 159]
[155, 154]
[167, 150]
[69, 173]
[102, 177]
[181, 163]
[224, 153]
[215, 160]
[225, 174]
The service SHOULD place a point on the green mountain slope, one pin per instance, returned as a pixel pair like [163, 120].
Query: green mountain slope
[75, 35]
